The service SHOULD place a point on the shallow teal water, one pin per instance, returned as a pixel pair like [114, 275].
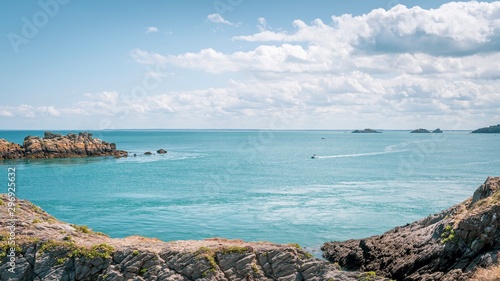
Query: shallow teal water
[259, 185]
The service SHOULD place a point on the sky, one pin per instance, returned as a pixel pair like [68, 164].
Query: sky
[242, 64]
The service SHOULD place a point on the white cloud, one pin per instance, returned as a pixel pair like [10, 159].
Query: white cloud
[152, 29]
[262, 24]
[48, 110]
[387, 69]
[216, 18]
[403, 65]
[456, 28]
[6, 113]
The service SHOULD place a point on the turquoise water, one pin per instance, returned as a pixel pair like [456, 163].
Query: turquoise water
[259, 185]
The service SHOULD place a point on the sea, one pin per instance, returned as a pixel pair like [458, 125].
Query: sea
[258, 185]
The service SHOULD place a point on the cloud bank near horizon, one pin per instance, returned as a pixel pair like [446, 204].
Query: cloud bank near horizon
[392, 68]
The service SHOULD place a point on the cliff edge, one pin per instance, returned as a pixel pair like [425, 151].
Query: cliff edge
[450, 245]
[58, 146]
[48, 249]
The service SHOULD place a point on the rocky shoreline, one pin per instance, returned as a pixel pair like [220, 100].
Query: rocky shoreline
[48, 249]
[59, 146]
[451, 245]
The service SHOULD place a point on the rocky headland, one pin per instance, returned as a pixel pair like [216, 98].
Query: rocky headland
[48, 249]
[488, 130]
[59, 146]
[451, 245]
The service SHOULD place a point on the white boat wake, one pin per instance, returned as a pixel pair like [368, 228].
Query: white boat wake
[359, 154]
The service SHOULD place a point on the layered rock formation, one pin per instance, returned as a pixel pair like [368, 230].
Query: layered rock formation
[47, 249]
[450, 245]
[58, 146]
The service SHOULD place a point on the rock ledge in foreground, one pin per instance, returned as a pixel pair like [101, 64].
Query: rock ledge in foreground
[450, 245]
[48, 249]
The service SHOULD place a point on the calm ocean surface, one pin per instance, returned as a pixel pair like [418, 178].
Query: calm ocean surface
[259, 185]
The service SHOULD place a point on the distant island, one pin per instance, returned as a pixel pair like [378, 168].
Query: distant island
[495, 129]
[365, 131]
[58, 146]
[425, 131]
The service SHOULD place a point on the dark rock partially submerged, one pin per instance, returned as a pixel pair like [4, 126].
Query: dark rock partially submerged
[488, 130]
[445, 246]
[161, 151]
[58, 146]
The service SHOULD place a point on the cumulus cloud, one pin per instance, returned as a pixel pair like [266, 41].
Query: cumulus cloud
[216, 18]
[456, 29]
[398, 68]
[152, 29]
[403, 61]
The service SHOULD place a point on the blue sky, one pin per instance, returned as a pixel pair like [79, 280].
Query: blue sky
[249, 64]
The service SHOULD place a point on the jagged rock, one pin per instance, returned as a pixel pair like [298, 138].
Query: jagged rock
[9, 150]
[445, 246]
[420, 131]
[45, 253]
[50, 135]
[488, 130]
[161, 151]
[365, 131]
[58, 146]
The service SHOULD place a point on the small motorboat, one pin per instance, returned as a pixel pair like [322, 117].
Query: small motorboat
[314, 156]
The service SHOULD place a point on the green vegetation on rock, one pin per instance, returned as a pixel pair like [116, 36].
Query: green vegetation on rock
[448, 234]
[367, 276]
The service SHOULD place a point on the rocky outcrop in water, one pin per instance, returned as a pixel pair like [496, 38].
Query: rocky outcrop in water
[365, 131]
[58, 146]
[488, 130]
[450, 245]
[420, 131]
[10, 150]
[47, 249]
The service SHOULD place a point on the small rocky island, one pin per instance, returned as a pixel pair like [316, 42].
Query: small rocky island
[59, 146]
[461, 243]
[365, 131]
[425, 131]
[495, 129]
